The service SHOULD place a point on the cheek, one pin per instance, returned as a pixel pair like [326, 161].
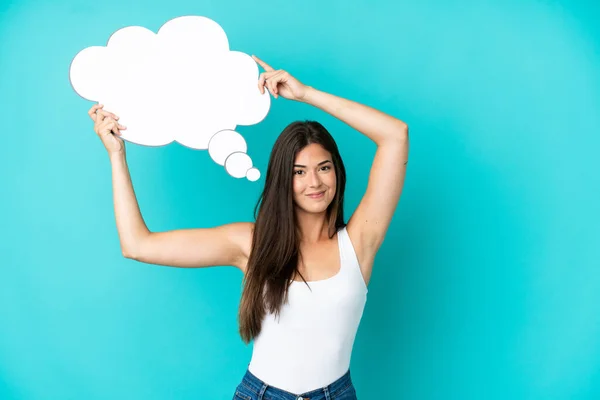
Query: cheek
[297, 186]
[331, 182]
[333, 188]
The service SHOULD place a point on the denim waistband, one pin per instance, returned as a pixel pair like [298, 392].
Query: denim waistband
[259, 387]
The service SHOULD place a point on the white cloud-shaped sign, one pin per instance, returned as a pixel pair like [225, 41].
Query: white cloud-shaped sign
[181, 84]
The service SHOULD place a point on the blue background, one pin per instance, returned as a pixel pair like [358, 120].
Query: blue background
[486, 287]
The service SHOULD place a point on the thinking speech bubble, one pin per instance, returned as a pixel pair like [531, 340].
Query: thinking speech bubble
[181, 84]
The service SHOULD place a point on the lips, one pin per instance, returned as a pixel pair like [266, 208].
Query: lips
[316, 195]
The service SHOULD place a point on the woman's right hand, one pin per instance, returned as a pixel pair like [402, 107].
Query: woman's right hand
[108, 129]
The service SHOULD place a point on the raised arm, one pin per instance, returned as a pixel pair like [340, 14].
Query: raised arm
[373, 215]
[223, 245]
[369, 222]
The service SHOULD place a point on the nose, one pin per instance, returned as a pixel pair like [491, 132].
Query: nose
[315, 179]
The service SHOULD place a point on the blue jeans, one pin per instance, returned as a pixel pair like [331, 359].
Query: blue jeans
[252, 388]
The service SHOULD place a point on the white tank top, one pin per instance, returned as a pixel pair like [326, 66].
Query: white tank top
[310, 344]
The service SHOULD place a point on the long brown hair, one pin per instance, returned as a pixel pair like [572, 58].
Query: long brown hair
[273, 259]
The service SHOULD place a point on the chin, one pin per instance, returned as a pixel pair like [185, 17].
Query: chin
[314, 208]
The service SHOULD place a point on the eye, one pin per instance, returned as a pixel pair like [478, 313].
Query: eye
[296, 171]
[327, 167]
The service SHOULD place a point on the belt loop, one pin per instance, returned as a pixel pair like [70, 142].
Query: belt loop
[326, 390]
[262, 391]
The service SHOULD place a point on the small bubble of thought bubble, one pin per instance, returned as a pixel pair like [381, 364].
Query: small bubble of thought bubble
[181, 84]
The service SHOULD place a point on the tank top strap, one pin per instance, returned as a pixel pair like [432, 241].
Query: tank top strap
[349, 260]
[347, 253]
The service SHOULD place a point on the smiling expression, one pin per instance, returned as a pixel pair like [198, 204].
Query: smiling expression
[314, 179]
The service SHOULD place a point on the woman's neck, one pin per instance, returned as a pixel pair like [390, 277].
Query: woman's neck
[312, 227]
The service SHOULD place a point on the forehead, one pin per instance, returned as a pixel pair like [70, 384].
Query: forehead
[314, 153]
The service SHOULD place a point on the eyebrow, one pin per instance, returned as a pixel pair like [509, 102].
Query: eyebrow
[321, 163]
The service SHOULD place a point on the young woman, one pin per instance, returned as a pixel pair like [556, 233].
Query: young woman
[305, 270]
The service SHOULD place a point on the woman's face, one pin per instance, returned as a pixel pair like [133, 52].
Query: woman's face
[314, 179]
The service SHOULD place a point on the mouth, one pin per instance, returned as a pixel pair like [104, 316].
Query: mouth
[317, 195]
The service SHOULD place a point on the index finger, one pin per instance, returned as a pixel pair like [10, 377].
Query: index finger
[263, 64]
[92, 111]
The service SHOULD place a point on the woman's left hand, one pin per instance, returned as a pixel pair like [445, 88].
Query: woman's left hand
[280, 82]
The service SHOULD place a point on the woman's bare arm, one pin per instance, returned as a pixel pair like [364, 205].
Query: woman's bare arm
[130, 224]
[224, 245]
